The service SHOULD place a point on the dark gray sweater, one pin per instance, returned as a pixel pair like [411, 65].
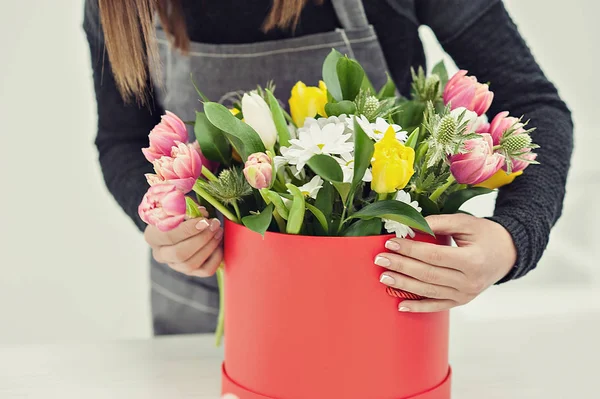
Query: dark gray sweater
[478, 34]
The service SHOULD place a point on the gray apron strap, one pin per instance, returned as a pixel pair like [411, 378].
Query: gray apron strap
[351, 14]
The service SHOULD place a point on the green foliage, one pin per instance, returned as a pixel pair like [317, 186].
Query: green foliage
[458, 198]
[261, 221]
[212, 140]
[297, 211]
[230, 187]
[394, 210]
[339, 108]
[278, 117]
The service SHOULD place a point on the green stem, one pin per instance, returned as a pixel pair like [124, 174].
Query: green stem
[221, 318]
[212, 200]
[496, 147]
[440, 190]
[208, 174]
[382, 196]
[342, 220]
[237, 210]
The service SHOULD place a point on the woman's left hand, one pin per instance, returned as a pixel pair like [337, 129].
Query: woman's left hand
[448, 276]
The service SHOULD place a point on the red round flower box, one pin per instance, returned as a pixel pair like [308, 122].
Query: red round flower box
[307, 318]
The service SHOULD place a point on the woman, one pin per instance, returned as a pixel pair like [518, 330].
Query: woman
[228, 46]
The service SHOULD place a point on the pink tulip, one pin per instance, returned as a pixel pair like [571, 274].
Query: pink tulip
[258, 170]
[182, 169]
[165, 136]
[479, 163]
[466, 91]
[163, 206]
[519, 165]
[501, 123]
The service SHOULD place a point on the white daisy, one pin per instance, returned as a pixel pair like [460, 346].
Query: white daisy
[311, 189]
[346, 162]
[330, 139]
[343, 119]
[376, 130]
[400, 229]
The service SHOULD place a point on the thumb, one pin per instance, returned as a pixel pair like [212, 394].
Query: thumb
[449, 224]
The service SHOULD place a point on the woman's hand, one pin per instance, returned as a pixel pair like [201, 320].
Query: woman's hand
[449, 276]
[192, 248]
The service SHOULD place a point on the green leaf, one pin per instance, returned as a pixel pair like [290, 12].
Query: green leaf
[350, 75]
[319, 216]
[191, 208]
[343, 189]
[297, 210]
[275, 198]
[394, 210]
[363, 153]
[279, 118]
[200, 94]
[413, 138]
[428, 206]
[330, 75]
[343, 107]
[388, 90]
[326, 167]
[458, 198]
[411, 114]
[241, 135]
[441, 71]
[367, 85]
[364, 227]
[259, 223]
[213, 143]
[325, 200]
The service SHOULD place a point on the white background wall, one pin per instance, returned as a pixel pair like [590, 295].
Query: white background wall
[73, 267]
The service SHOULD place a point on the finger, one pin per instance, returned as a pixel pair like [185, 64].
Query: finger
[427, 305]
[197, 261]
[203, 212]
[406, 283]
[433, 254]
[185, 230]
[184, 250]
[450, 224]
[211, 265]
[421, 271]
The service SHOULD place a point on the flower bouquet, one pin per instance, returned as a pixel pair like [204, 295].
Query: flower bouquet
[309, 198]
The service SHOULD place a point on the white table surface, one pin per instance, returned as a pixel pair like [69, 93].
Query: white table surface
[544, 358]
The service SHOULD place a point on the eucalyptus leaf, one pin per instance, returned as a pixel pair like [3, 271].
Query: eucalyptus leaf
[364, 227]
[458, 198]
[440, 70]
[394, 210]
[330, 74]
[297, 210]
[261, 222]
[279, 118]
[240, 134]
[388, 90]
[343, 107]
[326, 167]
[212, 141]
[350, 75]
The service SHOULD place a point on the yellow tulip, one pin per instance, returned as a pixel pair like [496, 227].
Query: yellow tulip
[392, 164]
[307, 101]
[499, 179]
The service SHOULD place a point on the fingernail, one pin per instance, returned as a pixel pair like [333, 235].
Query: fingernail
[387, 280]
[381, 261]
[392, 245]
[218, 234]
[403, 309]
[214, 224]
[201, 225]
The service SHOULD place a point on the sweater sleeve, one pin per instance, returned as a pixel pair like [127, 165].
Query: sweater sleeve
[485, 41]
[122, 127]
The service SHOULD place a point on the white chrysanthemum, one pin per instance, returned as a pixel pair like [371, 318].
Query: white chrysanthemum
[402, 230]
[311, 189]
[376, 130]
[346, 162]
[343, 119]
[331, 139]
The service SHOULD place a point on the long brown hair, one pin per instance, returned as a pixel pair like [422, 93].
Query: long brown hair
[129, 34]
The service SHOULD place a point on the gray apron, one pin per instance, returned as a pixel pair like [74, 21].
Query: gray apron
[183, 304]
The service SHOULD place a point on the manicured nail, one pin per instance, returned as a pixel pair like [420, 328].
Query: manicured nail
[403, 309]
[214, 224]
[387, 280]
[201, 225]
[392, 245]
[218, 234]
[381, 261]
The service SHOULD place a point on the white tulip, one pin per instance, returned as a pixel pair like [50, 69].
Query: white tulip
[257, 114]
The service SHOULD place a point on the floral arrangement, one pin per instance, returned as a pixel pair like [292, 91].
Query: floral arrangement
[346, 161]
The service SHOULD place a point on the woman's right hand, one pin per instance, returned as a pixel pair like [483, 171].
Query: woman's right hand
[192, 248]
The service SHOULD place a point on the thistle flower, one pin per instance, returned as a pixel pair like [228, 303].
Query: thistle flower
[230, 187]
[448, 133]
[426, 88]
[516, 146]
[372, 108]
